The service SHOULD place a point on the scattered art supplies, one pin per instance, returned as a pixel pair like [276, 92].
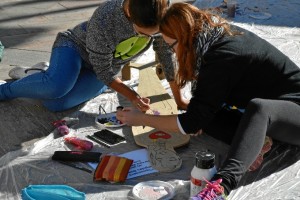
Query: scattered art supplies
[47, 192]
[77, 165]
[108, 120]
[61, 127]
[76, 156]
[77, 159]
[112, 169]
[107, 138]
[79, 143]
[141, 165]
[152, 190]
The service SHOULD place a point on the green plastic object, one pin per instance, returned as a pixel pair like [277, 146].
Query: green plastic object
[131, 47]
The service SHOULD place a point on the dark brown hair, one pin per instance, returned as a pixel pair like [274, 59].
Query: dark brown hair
[145, 13]
[183, 22]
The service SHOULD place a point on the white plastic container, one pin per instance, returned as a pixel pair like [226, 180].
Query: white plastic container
[204, 169]
[153, 190]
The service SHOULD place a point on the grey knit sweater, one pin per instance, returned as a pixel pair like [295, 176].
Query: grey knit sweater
[97, 38]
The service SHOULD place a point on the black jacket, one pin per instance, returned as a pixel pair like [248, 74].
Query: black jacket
[236, 69]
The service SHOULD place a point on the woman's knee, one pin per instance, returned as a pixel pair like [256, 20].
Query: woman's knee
[258, 105]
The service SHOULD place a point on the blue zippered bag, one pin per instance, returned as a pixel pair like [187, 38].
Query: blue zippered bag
[51, 192]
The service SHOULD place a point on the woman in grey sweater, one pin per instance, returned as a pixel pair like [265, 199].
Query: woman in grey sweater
[86, 59]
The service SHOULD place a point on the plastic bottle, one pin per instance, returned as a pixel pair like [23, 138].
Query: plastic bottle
[204, 169]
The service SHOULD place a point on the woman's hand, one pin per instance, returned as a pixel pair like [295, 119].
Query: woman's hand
[130, 116]
[134, 117]
[183, 104]
[142, 104]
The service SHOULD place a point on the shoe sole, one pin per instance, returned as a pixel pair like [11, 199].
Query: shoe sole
[21, 72]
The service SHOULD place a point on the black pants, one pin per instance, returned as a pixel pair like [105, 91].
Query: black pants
[275, 118]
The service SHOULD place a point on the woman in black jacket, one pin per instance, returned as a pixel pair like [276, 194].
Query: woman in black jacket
[230, 67]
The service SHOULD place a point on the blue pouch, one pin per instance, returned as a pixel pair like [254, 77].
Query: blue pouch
[51, 192]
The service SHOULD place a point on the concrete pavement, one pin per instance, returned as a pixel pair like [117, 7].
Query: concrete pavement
[29, 27]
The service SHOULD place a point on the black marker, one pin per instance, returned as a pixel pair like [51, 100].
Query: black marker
[76, 166]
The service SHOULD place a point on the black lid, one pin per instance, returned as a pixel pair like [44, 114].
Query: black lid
[205, 159]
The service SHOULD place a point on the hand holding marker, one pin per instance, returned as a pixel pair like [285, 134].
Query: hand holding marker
[143, 104]
[148, 104]
[155, 112]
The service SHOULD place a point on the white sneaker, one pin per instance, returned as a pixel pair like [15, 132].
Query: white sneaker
[21, 71]
[2, 82]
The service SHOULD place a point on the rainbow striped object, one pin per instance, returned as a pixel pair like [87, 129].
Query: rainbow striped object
[112, 168]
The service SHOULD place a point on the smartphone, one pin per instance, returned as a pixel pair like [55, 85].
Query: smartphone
[108, 138]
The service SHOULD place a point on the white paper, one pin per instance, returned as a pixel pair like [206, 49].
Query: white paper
[140, 166]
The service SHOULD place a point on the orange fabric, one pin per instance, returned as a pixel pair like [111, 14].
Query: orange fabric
[109, 168]
[112, 168]
[113, 164]
[100, 168]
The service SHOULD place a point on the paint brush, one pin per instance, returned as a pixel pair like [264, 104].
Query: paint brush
[101, 108]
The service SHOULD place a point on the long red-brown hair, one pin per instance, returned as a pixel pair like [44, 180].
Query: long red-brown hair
[183, 22]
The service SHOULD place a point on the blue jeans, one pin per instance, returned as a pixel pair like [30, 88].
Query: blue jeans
[66, 83]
